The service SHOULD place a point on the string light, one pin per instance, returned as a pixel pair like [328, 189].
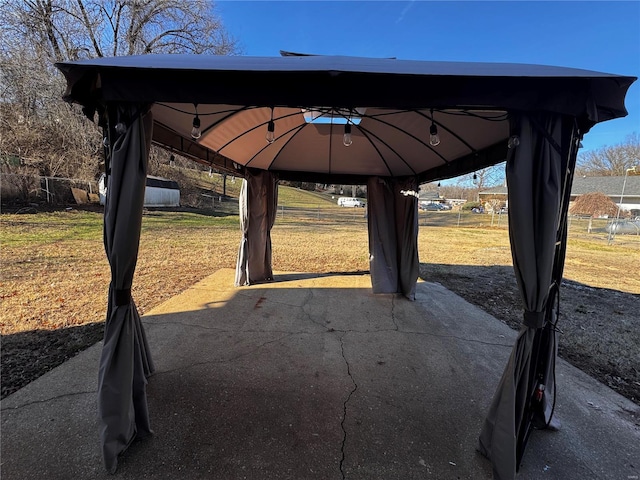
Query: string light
[196, 133]
[271, 130]
[346, 139]
[434, 138]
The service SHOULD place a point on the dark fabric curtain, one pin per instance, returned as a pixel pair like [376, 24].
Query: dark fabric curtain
[393, 235]
[258, 208]
[125, 363]
[539, 174]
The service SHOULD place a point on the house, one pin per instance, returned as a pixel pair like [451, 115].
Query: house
[610, 186]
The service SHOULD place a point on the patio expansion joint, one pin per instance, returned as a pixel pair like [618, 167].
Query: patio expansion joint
[344, 406]
[50, 399]
[226, 330]
[235, 357]
[455, 337]
[427, 334]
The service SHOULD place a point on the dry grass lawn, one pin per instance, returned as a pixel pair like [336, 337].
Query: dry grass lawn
[54, 273]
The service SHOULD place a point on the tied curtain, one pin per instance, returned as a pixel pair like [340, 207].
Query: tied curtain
[392, 217]
[539, 174]
[258, 205]
[125, 361]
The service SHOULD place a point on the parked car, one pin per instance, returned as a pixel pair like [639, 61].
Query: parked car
[350, 202]
[431, 206]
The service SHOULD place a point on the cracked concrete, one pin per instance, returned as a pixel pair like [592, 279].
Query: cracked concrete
[346, 402]
[313, 376]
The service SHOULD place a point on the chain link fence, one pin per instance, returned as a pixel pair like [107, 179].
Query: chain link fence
[18, 188]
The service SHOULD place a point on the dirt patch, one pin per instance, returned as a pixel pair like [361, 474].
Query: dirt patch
[28, 355]
[600, 328]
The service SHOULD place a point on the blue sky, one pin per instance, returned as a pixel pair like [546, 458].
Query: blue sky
[595, 35]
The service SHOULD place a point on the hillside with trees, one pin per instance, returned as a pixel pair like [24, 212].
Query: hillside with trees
[40, 134]
[43, 136]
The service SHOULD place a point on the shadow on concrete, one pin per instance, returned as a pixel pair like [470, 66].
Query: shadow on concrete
[599, 327]
[311, 377]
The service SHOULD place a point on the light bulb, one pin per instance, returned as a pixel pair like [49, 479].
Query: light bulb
[271, 135]
[120, 128]
[475, 179]
[346, 139]
[434, 138]
[513, 142]
[210, 172]
[195, 131]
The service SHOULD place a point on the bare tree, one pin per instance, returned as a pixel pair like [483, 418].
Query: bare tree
[610, 160]
[49, 136]
[73, 29]
[481, 179]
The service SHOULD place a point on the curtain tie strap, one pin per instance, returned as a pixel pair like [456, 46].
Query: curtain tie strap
[534, 319]
[122, 297]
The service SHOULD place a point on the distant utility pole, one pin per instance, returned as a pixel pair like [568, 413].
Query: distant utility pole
[614, 225]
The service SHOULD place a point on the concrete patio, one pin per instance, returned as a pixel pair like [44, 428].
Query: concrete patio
[314, 377]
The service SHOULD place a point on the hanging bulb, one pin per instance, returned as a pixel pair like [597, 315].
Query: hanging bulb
[172, 160]
[270, 137]
[120, 128]
[271, 132]
[346, 139]
[210, 172]
[195, 131]
[475, 179]
[434, 138]
[513, 142]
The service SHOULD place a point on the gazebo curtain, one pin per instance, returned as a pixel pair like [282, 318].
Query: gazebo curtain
[258, 208]
[539, 175]
[393, 234]
[125, 362]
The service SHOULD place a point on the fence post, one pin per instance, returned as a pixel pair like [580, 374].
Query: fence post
[46, 187]
[459, 213]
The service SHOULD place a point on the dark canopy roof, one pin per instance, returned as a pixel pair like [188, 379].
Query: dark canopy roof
[396, 100]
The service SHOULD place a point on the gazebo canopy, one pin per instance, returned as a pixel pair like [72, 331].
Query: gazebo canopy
[390, 106]
[391, 124]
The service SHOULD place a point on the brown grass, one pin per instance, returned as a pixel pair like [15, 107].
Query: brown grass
[55, 275]
[64, 283]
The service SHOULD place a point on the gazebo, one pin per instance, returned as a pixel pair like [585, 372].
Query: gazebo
[387, 123]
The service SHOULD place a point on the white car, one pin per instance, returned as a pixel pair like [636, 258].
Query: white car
[350, 202]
